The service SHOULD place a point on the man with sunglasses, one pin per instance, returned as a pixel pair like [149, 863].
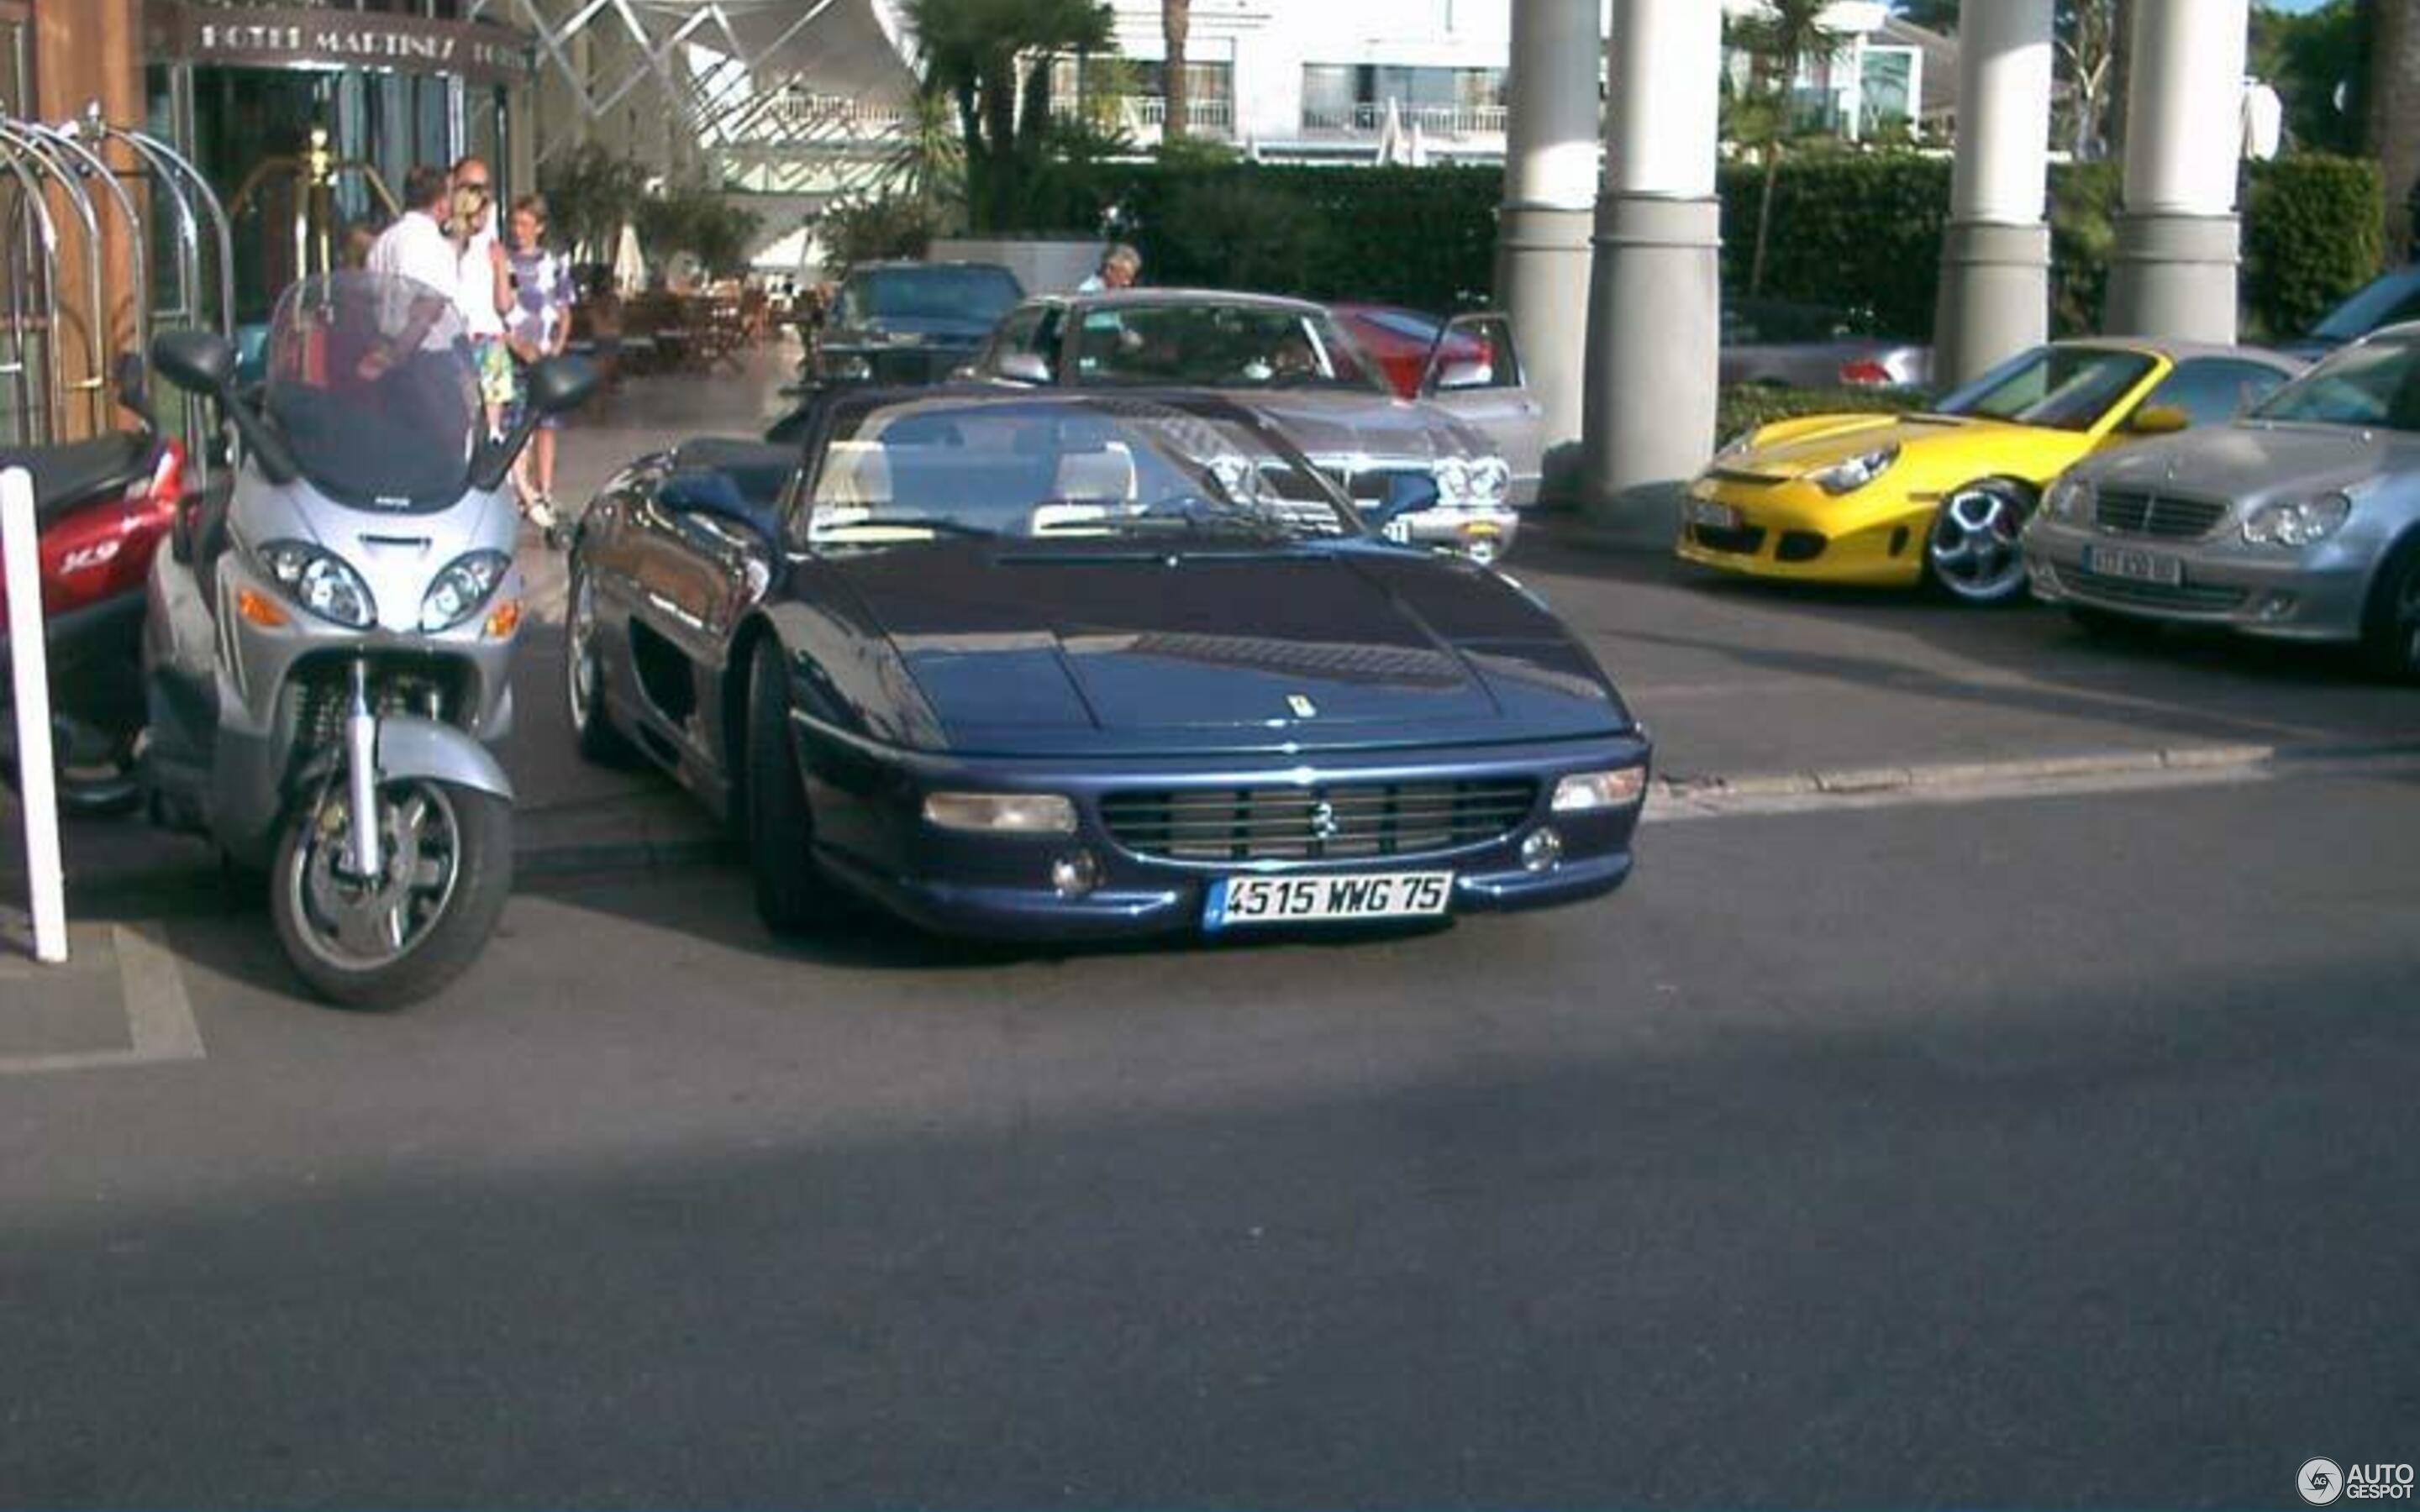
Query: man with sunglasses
[485, 286]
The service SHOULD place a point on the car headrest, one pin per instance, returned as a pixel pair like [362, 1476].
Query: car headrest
[857, 473]
[1106, 476]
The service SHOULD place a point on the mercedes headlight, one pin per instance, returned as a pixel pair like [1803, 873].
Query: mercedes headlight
[2070, 501]
[467, 583]
[1855, 472]
[319, 581]
[1491, 479]
[1453, 476]
[2297, 522]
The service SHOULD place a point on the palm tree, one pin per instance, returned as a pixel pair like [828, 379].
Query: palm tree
[2394, 127]
[1781, 41]
[1177, 27]
[992, 60]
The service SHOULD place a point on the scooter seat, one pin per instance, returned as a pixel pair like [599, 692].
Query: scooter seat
[67, 477]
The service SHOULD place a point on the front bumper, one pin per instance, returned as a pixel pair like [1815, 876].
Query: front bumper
[871, 835]
[1485, 530]
[2315, 593]
[1793, 529]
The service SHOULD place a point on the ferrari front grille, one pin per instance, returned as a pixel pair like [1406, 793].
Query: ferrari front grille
[1358, 821]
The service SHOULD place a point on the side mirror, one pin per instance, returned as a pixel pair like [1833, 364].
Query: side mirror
[1463, 374]
[198, 362]
[561, 384]
[1407, 494]
[1024, 367]
[2158, 420]
[203, 362]
[133, 394]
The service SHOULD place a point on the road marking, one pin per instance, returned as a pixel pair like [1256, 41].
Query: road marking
[1962, 782]
[159, 1016]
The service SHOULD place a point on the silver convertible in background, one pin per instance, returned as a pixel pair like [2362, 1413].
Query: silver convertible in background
[2298, 521]
[1291, 360]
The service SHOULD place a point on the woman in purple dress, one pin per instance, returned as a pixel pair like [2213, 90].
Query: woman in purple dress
[538, 326]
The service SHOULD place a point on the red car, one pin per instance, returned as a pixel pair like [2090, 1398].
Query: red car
[1400, 341]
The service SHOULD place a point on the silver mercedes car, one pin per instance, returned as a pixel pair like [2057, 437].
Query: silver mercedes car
[1290, 360]
[2300, 520]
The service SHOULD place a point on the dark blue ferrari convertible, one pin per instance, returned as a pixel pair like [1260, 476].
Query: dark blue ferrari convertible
[1064, 666]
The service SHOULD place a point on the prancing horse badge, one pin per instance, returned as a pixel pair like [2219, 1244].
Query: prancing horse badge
[1303, 708]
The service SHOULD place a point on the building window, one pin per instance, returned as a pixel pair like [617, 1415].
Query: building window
[1353, 97]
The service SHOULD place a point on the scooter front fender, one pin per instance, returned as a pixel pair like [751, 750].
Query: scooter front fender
[409, 746]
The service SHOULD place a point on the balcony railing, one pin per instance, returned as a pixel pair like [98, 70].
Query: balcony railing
[839, 116]
[1445, 122]
[1149, 113]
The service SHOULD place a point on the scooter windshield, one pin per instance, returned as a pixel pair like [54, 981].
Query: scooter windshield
[371, 382]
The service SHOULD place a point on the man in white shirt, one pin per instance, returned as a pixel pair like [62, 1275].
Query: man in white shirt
[417, 345]
[416, 247]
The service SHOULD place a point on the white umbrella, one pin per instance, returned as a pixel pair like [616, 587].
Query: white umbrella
[1415, 154]
[629, 268]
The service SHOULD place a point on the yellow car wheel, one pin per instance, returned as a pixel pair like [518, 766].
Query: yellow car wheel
[1971, 550]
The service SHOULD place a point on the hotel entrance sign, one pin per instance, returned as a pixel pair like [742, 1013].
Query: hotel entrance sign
[307, 36]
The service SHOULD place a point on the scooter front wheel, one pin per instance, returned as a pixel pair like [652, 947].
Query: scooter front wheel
[446, 870]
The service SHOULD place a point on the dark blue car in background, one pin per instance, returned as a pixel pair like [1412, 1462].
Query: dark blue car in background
[1054, 666]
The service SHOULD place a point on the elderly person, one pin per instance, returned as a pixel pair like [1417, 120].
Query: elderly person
[1119, 265]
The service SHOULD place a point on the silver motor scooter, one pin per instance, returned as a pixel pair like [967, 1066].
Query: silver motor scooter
[328, 653]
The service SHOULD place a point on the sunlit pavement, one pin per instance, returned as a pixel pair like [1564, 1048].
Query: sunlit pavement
[1929, 1146]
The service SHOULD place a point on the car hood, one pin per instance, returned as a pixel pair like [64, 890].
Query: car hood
[1336, 424]
[2248, 460]
[1056, 652]
[1811, 446]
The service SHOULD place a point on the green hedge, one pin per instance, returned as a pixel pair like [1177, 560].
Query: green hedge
[1849, 230]
[1744, 407]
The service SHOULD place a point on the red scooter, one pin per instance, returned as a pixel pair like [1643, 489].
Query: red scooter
[104, 507]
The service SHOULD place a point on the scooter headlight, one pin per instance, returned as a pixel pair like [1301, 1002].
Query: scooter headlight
[462, 589]
[319, 581]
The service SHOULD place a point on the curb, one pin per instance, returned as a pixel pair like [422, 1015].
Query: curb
[1698, 794]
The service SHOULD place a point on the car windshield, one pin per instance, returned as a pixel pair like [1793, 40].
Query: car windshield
[2060, 388]
[370, 381]
[975, 296]
[1219, 346]
[2385, 299]
[914, 471]
[2375, 386]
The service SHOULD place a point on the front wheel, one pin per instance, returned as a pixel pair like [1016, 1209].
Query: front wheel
[2390, 631]
[1972, 547]
[446, 858]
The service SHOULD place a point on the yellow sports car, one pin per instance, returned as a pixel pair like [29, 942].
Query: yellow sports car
[1880, 501]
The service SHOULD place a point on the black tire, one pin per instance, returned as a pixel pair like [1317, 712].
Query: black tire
[793, 896]
[101, 789]
[2390, 624]
[593, 734]
[2109, 628]
[483, 883]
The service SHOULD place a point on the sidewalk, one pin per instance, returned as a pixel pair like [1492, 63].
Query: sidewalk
[1748, 687]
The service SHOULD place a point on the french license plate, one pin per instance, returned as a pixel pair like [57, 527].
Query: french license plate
[1710, 514]
[2135, 566]
[1237, 902]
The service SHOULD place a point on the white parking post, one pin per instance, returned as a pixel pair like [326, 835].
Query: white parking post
[19, 544]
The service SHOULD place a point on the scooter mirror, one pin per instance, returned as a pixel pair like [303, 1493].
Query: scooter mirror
[561, 383]
[198, 362]
[133, 394]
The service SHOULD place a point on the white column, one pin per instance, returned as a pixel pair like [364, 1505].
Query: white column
[1550, 177]
[1654, 304]
[1995, 257]
[2174, 271]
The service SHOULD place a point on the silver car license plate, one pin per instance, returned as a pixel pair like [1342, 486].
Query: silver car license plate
[2134, 566]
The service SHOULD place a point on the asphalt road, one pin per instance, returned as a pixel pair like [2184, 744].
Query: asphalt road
[2045, 1152]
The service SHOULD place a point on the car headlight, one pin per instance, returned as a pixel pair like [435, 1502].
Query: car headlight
[847, 367]
[1000, 813]
[2070, 500]
[1453, 476]
[2297, 522]
[1491, 479]
[1857, 471]
[1594, 791]
[319, 581]
[467, 582]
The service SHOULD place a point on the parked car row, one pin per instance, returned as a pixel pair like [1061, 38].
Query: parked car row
[2137, 484]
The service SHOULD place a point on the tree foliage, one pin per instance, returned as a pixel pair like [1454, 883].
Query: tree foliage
[992, 60]
[589, 192]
